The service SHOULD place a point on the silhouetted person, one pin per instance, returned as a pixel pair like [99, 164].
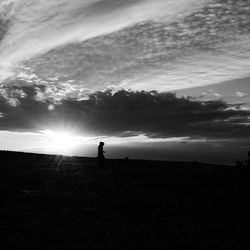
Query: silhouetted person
[101, 157]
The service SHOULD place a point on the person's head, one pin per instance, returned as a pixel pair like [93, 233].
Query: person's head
[101, 143]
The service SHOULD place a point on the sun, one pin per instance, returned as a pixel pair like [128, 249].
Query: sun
[61, 142]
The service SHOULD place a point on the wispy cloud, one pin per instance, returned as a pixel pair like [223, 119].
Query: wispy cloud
[142, 44]
[240, 94]
[39, 26]
[212, 93]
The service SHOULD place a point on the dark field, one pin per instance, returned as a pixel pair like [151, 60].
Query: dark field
[128, 205]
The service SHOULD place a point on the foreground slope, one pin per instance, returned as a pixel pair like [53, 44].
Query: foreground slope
[130, 204]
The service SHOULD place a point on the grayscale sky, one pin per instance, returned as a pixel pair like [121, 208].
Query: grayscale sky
[154, 79]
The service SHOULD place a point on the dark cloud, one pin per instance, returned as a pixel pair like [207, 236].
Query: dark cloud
[124, 113]
[20, 108]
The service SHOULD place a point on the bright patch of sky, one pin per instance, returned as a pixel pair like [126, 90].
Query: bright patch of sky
[52, 142]
[222, 151]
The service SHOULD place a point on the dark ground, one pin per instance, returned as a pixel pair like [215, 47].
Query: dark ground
[129, 205]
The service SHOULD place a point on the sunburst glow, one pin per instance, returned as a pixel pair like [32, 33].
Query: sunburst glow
[62, 142]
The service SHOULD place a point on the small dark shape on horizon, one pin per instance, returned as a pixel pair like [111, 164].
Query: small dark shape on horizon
[101, 157]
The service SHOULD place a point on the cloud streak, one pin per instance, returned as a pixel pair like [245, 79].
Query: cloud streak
[39, 26]
[130, 44]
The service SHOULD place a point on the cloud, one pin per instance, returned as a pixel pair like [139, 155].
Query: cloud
[124, 114]
[204, 45]
[212, 93]
[240, 94]
[39, 26]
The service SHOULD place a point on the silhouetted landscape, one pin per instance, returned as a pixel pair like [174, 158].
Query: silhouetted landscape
[156, 93]
[129, 204]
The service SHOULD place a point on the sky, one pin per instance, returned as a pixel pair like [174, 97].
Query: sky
[153, 79]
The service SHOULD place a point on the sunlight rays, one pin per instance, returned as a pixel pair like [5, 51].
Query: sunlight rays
[62, 142]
